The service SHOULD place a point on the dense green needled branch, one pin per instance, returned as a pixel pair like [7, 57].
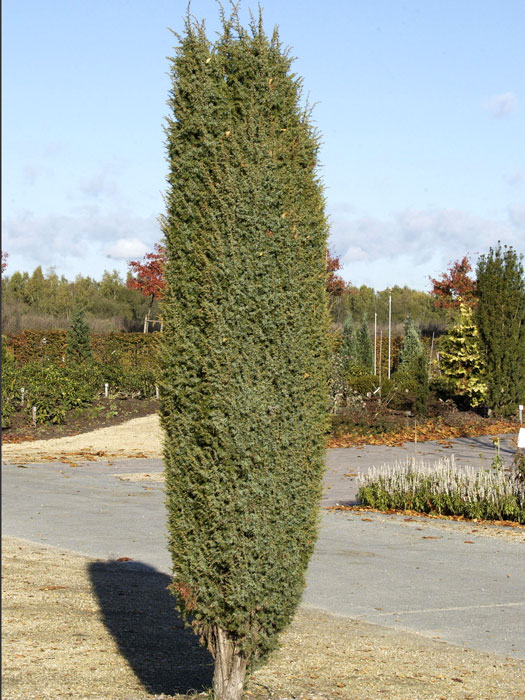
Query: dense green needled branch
[245, 351]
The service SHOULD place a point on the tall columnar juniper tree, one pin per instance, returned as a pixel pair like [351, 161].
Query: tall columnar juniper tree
[500, 317]
[245, 350]
[411, 348]
[348, 348]
[365, 349]
[420, 374]
[78, 339]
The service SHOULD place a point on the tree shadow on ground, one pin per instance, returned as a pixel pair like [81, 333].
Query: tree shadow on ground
[485, 445]
[140, 614]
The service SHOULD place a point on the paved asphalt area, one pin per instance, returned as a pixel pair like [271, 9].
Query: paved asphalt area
[443, 582]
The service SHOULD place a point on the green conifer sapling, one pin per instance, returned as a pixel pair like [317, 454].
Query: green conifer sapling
[78, 339]
[500, 317]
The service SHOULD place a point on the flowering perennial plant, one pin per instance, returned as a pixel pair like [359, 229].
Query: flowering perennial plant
[446, 489]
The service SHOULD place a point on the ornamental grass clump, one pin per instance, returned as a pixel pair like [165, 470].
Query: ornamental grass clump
[445, 489]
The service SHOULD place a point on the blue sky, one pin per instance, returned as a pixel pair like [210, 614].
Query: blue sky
[420, 103]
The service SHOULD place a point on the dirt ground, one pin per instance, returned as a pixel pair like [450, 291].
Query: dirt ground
[101, 413]
[139, 437]
[80, 628]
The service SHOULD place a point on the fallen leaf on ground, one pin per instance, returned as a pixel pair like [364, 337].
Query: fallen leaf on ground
[432, 429]
[50, 588]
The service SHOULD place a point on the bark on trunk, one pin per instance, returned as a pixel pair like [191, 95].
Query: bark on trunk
[230, 666]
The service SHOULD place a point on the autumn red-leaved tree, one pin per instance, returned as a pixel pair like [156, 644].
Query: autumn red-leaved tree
[335, 284]
[455, 286]
[4, 260]
[148, 274]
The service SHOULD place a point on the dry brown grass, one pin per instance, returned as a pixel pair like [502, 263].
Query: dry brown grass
[84, 629]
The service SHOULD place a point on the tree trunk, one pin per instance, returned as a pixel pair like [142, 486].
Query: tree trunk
[148, 314]
[230, 666]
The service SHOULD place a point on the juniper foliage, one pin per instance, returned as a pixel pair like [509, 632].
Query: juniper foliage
[411, 348]
[500, 317]
[245, 343]
[420, 374]
[348, 347]
[78, 338]
[364, 347]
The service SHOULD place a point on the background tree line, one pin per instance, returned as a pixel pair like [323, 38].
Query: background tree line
[40, 301]
[365, 301]
[478, 361]
[473, 325]
[43, 300]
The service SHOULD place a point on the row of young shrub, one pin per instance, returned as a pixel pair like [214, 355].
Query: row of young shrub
[54, 389]
[445, 489]
[402, 392]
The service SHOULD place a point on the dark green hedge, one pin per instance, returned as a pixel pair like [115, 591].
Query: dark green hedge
[125, 349]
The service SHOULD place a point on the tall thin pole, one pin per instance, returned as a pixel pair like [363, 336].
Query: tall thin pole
[380, 353]
[389, 331]
[375, 343]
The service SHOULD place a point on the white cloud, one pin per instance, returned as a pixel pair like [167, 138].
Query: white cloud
[416, 238]
[127, 249]
[65, 241]
[501, 105]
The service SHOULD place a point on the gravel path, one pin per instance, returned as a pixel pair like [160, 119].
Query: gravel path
[140, 437]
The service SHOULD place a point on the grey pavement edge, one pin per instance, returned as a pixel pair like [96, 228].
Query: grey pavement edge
[382, 569]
